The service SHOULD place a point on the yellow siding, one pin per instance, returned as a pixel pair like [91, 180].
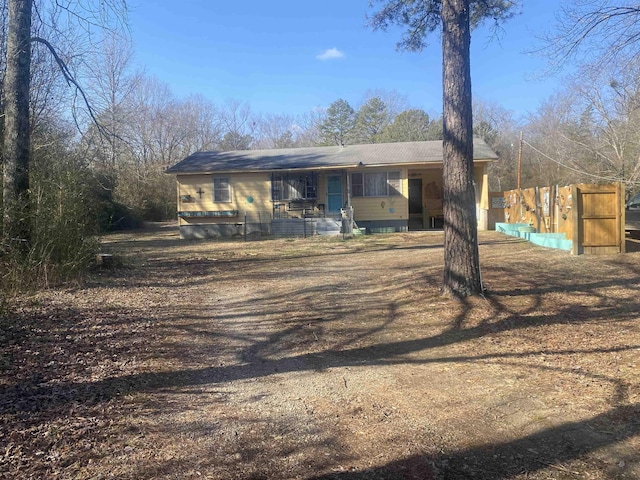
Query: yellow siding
[189, 185]
[244, 188]
[257, 187]
[384, 208]
[481, 178]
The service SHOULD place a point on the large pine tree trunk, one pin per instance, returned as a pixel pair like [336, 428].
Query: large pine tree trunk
[461, 257]
[16, 124]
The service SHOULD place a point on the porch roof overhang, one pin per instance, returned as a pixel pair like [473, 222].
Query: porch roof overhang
[412, 154]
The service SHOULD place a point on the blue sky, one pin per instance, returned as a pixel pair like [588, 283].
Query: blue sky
[291, 56]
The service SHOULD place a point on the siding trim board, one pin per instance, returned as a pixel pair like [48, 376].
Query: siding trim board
[217, 213]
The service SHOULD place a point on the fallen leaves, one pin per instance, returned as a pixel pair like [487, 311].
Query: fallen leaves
[319, 358]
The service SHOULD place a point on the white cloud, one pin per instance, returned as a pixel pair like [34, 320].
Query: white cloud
[330, 54]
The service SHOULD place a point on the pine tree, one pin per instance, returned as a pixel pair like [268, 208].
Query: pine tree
[337, 127]
[371, 120]
[454, 18]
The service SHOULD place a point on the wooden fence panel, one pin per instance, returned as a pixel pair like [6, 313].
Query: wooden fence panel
[546, 208]
[599, 230]
[591, 216]
[565, 218]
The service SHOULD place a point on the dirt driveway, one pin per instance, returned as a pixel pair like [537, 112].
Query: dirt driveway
[325, 359]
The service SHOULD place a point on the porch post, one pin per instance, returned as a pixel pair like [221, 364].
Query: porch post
[349, 207]
[348, 177]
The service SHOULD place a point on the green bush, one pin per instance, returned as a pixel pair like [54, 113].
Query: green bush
[62, 238]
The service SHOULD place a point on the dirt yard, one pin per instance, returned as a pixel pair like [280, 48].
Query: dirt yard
[325, 359]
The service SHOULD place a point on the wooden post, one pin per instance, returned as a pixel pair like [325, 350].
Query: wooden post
[520, 161]
[520, 175]
[621, 194]
[576, 214]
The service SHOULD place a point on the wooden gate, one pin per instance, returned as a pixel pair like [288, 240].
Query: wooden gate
[600, 226]
[591, 217]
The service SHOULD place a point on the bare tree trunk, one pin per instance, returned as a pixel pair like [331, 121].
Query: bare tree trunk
[461, 257]
[16, 122]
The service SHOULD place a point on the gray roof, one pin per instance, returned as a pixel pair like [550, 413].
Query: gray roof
[377, 154]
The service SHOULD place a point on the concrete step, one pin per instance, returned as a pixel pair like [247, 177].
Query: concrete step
[550, 240]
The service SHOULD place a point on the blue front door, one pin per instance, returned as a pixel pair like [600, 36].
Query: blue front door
[334, 193]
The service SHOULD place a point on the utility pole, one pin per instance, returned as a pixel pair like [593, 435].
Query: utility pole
[520, 176]
[520, 161]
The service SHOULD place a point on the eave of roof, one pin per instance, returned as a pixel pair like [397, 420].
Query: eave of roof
[368, 155]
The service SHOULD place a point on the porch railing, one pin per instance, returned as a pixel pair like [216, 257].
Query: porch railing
[302, 208]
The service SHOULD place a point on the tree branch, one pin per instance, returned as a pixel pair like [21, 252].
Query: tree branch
[71, 81]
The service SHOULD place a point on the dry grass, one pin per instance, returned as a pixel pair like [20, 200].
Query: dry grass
[325, 359]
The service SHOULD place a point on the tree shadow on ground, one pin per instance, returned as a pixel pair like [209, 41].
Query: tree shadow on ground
[256, 362]
[274, 354]
[553, 447]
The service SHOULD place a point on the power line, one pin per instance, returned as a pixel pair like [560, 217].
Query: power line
[568, 167]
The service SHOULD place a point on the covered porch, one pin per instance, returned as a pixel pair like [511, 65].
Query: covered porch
[309, 194]
[425, 199]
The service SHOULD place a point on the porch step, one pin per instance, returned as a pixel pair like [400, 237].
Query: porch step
[328, 226]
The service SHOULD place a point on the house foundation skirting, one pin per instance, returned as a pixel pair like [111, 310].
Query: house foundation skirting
[222, 230]
[384, 226]
[285, 227]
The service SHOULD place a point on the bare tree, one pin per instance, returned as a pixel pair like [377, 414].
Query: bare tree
[614, 103]
[155, 137]
[49, 93]
[595, 32]
[275, 131]
[204, 124]
[307, 127]
[155, 130]
[111, 83]
[239, 125]
[497, 127]
[16, 100]
[589, 132]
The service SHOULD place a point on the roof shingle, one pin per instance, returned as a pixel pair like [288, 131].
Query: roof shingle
[377, 154]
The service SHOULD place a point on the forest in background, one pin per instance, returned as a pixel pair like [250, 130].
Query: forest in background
[100, 143]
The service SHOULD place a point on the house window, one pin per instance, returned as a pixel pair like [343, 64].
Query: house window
[221, 189]
[394, 183]
[357, 185]
[287, 186]
[376, 184]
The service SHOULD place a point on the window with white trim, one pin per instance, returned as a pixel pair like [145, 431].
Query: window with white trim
[376, 184]
[221, 189]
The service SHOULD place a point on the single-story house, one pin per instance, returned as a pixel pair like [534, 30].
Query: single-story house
[387, 187]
